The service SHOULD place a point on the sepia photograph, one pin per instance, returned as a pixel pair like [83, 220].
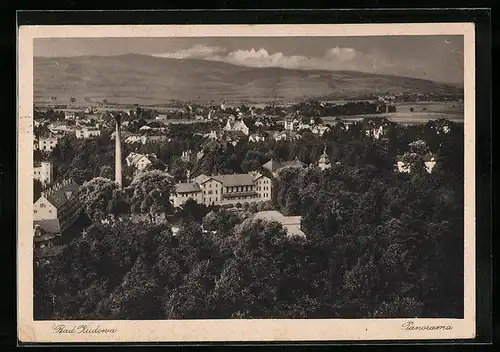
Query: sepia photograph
[181, 177]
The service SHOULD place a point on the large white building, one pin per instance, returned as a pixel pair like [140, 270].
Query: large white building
[224, 189]
[43, 172]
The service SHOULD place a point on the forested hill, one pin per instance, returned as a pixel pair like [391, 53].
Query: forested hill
[145, 79]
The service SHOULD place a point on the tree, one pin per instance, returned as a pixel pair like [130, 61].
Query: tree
[101, 197]
[151, 193]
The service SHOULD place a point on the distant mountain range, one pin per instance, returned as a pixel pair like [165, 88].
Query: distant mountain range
[143, 79]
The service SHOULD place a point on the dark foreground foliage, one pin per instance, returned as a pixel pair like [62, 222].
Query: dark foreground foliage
[379, 245]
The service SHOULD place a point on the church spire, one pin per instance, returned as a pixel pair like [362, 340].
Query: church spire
[324, 160]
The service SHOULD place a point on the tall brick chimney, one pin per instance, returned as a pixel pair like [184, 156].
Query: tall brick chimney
[118, 151]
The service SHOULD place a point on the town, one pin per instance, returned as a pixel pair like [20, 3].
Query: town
[314, 168]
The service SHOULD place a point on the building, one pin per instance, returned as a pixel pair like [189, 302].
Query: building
[69, 115]
[87, 132]
[320, 129]
[45, 244]
[236, 125]
[257, 137]
[404, 163]
[324, 161]
[140, 161]
[47, 144]
[224, 189]
[292, 224]
[286, 136]
[275, 167]
[58, 207]
[43, 172]
[145, 139]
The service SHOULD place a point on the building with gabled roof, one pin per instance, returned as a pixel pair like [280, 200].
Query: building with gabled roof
[140, 161]
[223, 189]
[58, 207]
[292, 224]
[236, 125]
[275, 167]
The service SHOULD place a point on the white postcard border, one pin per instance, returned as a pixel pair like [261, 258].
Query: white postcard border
[234, 329]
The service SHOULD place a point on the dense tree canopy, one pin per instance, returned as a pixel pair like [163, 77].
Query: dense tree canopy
[379, 244]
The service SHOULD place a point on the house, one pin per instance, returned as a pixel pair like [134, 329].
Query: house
[292, 224]
[186, 155]
[134, 138]
[223, 189]
[61, 127]
[429, 162]
[258, 123]
[161, 117]
[375, 132]
[47, 144]
[212, 135]
[320, 129]
[236, 125]
[41, 122]
[145, 139]
[441, 126]
[87, 132]
[43, 172]
[256, 137]
[140, 161]
[286, 136]
[376, 127]
[45, 244]
[405, 162]
[275, 167]
[58, 207]
[69, 115]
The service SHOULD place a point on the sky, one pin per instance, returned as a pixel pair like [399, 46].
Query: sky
[433, 57]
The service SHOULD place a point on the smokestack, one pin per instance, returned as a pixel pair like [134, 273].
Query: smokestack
[118, 151]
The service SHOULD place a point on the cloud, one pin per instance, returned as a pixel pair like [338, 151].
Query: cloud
[261, 58]
[196, 51]
[342, 54]
[336, 58]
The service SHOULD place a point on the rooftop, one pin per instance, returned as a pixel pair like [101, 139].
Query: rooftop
[290, 223]
[61, 192]
[187, 187]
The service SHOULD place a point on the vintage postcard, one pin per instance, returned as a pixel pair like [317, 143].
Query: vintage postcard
[196, 183]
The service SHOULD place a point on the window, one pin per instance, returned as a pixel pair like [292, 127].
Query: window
[42, 205]
[35, 211]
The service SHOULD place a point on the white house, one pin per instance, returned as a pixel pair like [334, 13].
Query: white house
[44, 172]
[140, 161]
[256, 137]
[47, 144]
[87, 132]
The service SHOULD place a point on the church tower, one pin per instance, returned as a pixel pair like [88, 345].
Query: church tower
[118, 151]
[324, 161]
